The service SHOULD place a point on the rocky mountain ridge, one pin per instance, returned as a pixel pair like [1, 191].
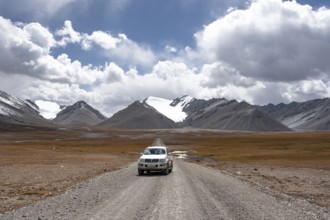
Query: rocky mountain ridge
[156, 113]
[230, 115]
[186, 111]
[309, 115]
[139, 115]
[79, 114]
[14, 111]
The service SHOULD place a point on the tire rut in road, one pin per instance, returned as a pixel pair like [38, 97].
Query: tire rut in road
[224, 197]
[214, 195]
[205, 197]
[132, 202]
[177, 200]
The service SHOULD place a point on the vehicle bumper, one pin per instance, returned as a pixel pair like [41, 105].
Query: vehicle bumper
[152, 166]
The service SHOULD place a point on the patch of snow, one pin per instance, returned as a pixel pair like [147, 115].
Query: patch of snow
[12, 102]
[296, 120]
[175, 113]
[7, 111]
[31, 106]
[48, 109]
[185, 101]
[3, 111]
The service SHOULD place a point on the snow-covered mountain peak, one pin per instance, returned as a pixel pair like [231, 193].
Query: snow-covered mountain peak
[165, 107]
[15, 111]
[32, 105]
[11, 100]
[48, 109]
[10, 105]
[184, 101]
[81, 104]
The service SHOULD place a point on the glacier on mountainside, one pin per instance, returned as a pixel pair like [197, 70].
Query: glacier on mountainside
[166, 107]
[48, 109]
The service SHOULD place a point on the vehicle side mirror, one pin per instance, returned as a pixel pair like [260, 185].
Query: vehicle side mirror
[141, 153]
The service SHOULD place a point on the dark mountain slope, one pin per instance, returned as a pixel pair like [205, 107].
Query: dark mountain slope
[309, 115]
[138, 115]
[231, 115]
[14, 111]
[79, 114]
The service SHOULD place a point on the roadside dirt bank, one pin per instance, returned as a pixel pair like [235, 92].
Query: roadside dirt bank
[309, 181]
[27, 179]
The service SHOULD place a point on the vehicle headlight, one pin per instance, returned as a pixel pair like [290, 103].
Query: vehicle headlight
[163, 160]
[141, 160]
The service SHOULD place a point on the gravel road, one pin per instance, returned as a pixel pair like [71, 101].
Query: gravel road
[190, 192]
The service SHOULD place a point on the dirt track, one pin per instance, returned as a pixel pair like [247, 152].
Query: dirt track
[191, 191]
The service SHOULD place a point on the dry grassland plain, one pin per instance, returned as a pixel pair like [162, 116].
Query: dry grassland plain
[39, 163]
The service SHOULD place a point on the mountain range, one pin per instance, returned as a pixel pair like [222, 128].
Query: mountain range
[16, 112]
[229, 115]
[186, 111]
[310, 115]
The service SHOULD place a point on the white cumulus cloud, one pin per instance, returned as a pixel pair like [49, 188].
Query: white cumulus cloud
[271, 40]
[68, 34]
[119, 48]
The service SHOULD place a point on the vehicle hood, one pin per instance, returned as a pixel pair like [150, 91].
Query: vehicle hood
[153, 156]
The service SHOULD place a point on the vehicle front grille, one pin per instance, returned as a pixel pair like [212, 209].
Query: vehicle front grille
[151, 160]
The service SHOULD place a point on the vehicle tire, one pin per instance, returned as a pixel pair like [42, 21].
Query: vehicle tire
[140, 172]
[171, 167]
[167, 170]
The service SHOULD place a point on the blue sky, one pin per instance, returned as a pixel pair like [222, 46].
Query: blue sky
[111, 53]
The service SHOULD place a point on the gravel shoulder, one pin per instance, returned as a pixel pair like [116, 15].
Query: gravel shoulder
[29, 178]
[191, 191]
[308, 182]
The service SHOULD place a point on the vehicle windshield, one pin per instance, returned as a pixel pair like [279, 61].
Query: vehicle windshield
[154, 151]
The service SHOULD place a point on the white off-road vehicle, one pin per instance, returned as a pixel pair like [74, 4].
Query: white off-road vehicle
[155, 158]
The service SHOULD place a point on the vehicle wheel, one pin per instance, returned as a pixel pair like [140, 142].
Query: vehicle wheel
[167, 170]
[141, 172]
[171, 167]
